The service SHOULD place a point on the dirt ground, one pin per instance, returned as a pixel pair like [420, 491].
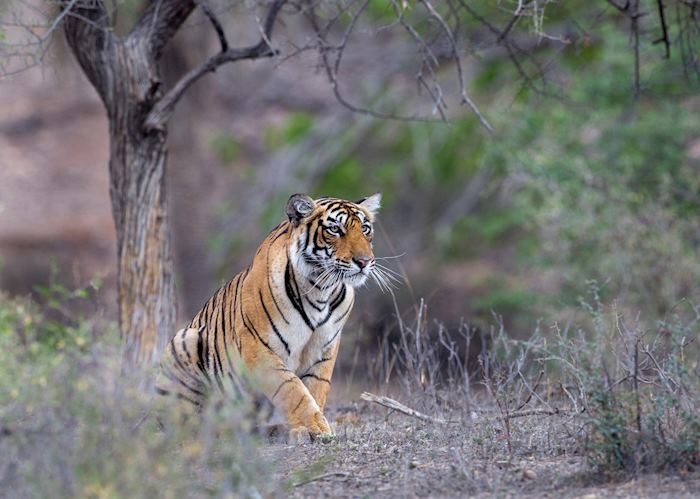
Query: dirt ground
[377, 454]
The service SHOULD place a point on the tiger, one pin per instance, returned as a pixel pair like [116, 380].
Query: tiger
[277, 324]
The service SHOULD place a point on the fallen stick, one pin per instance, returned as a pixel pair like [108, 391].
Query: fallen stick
[398, 406]
[318, 478]
[537, 412]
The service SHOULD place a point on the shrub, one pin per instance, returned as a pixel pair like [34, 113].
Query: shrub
[73, 425]
[637, 391]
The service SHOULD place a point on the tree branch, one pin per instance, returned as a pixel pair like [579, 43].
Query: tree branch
[622, 8]
[87, 26]
[215, 23]
[159, 24]
[634, 16]
[512, 48]
[664, 29]
[398, 406]
[164, 108]
[458, 64]
[331, 67]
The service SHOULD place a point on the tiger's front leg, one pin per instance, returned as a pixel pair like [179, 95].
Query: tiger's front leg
[288, 394]
[317, 377]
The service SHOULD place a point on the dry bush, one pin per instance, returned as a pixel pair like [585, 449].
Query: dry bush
[637, 389]
[626, 398]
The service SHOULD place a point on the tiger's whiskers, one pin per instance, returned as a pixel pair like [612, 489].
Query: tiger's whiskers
[389, 257]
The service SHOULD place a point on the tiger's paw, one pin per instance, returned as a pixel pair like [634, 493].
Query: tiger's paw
[325, 438]
[302, 435]
[316, 428]
[299, 435]
[313, 427]
[319, 425]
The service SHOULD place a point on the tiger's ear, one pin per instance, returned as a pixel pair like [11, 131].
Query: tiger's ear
[299, 207]
[371, 203]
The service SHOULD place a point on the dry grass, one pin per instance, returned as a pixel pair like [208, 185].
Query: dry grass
[392, 455]
[608, 408]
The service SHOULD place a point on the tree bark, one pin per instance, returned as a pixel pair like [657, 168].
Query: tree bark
[137, 187]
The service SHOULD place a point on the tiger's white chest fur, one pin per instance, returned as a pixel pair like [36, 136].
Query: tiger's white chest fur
[312, 319]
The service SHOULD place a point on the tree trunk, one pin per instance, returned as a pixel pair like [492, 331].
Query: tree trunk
[145, 269]
[137, 186]
[124, 73]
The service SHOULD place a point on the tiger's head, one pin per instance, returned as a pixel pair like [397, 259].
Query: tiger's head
[332, 238]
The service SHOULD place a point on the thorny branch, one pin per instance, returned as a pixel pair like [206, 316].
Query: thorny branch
[664, 29]
[164, 108]
[216, 24]
[331, 55]
[439, 31]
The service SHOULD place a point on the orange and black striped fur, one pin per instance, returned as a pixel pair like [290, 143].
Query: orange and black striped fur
[278, 323]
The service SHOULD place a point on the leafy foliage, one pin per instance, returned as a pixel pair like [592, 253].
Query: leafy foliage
[226, 147]
[295, 126]
[611, 188]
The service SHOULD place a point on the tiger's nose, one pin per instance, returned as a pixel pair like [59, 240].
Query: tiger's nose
[362, 261]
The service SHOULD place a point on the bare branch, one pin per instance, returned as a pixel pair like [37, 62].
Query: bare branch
[634, 26]
[458, 64]
[622, 8]
[511, 24]
[163, 109]
[159, 23]
[339, 474]
[88, 31]
[429, 62]
[204, 5]
[332, 67]
[664, 29]
[511, 47]
[398, 406]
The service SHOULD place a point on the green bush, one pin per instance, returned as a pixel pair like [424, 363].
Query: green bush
[73, 425]
[227, 148]
[607, 185]
[294, 128]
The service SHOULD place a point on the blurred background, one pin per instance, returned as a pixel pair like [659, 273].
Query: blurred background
[590, 179]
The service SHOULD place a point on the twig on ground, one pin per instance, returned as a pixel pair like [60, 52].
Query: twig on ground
[532, 390]
[398, 406]
[318, 478]
[390, 403]
[536, 412]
